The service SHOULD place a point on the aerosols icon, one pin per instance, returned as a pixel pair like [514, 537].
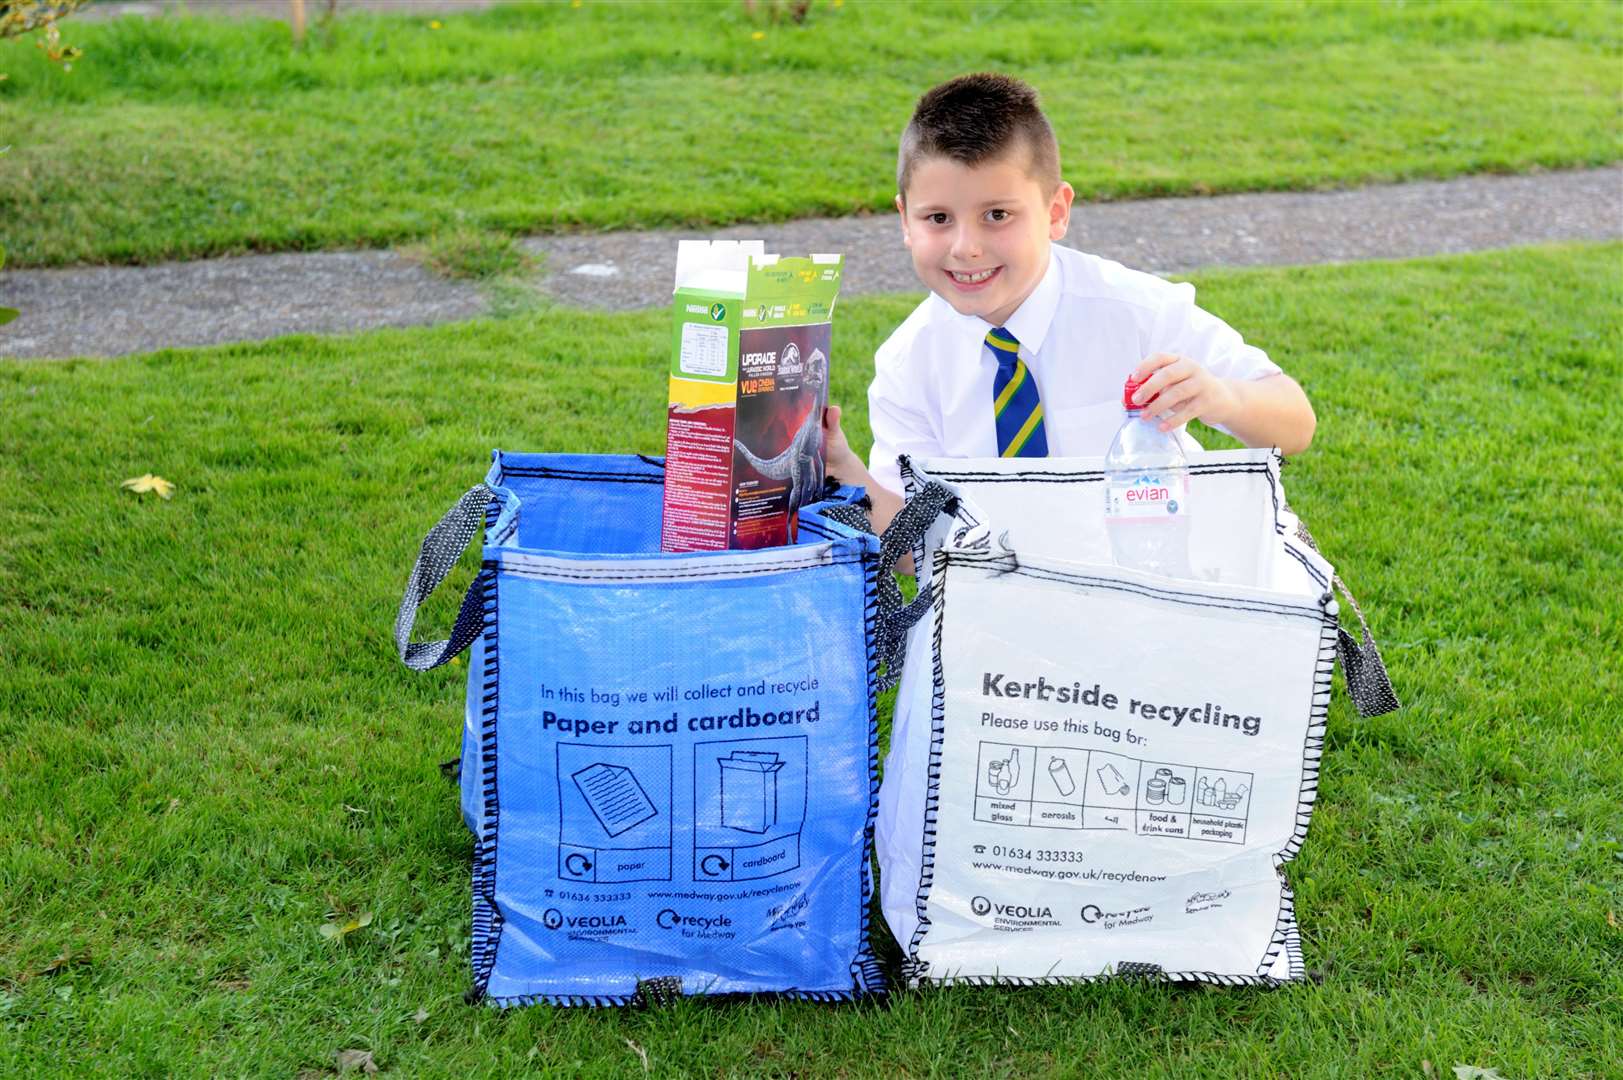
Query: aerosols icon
[1060, 773]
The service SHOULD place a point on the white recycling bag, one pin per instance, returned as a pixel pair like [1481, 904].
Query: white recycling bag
[1095, 771]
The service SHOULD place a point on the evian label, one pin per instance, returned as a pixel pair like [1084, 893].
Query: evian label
[1148, 495]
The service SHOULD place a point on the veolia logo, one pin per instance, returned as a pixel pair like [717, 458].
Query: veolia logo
[718, 312]
[553, 919]
[980, 905]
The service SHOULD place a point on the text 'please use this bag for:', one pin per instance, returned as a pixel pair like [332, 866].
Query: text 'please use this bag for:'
[669, 761]
[1096, 771]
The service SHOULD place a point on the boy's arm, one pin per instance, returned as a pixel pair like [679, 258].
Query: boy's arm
[1270, 411]
[1203, 369]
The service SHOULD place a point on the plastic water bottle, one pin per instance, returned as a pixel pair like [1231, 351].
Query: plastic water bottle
[1147, 494]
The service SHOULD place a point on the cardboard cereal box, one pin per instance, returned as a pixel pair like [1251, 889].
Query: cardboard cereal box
[749, 382]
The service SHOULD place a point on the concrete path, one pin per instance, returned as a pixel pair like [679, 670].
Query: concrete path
[110, 311]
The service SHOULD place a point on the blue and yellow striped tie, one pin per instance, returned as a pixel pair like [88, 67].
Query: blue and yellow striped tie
[1015, 405]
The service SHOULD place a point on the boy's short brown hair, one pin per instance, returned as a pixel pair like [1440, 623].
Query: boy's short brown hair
[977, 118]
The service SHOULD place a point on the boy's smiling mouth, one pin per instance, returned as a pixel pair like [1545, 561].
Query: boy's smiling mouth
[973, 278]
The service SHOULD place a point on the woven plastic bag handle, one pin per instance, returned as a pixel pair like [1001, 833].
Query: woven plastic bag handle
[441, 549]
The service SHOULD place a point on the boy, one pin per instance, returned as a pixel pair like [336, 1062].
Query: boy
[1022, 347]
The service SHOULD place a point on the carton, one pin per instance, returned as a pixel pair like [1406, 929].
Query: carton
[749, 790]
[748, 386]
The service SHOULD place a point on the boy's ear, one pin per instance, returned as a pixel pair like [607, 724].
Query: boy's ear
[901, 211]
[1059, 211]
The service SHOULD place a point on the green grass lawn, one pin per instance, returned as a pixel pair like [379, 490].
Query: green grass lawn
[207, 746]
[188, 137]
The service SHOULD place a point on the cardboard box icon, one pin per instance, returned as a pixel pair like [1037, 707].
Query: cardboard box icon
[749, 790]
[748, 385]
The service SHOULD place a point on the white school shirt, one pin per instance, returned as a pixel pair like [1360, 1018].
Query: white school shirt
[1084, 328]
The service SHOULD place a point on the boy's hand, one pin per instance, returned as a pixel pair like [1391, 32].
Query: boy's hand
[842, 463]
[839, 461]
[1180, 390]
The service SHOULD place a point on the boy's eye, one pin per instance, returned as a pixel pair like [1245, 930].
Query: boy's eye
[997, 215]
[937, 218]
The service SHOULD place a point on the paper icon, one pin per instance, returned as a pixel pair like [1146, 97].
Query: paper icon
[614, 796]
[749, 790]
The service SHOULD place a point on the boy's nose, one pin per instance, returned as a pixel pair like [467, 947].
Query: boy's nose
[966, 244]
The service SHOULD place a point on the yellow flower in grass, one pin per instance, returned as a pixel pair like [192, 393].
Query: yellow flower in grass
[155, 484]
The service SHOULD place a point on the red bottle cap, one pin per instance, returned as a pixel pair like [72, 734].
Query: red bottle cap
[1128, 390]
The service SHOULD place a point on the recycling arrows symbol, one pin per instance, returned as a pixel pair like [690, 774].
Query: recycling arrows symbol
[577, 864]
[714, 865]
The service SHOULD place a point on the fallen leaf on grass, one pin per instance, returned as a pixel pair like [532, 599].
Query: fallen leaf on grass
[334, 931]
[142, 484]
[1425, 1066]
[68, 958]
[420, 1015]
[641, 1054]
[1473, 1072]
[1611, 919]
[356, 1059]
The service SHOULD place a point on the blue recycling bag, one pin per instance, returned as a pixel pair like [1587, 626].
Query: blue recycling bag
[669, 761]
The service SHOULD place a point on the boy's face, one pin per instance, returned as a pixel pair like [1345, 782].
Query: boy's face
[979, 234]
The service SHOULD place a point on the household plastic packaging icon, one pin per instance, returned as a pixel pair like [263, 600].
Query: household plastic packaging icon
[1218, 794]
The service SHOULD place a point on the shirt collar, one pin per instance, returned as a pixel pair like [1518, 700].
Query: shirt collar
[1030, 322]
